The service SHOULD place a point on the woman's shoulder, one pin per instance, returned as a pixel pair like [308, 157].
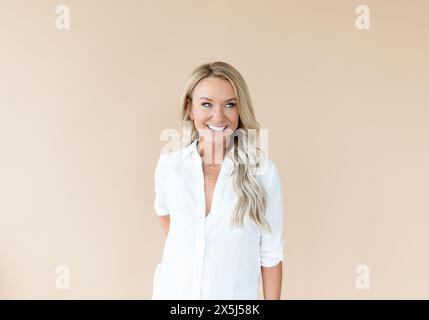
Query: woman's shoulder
[174, 155]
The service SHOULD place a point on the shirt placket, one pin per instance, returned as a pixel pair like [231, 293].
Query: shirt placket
[201, 237]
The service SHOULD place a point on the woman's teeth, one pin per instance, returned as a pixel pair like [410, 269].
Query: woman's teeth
[218, 129]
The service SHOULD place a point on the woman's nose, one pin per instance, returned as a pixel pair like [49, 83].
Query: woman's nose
[217, 113]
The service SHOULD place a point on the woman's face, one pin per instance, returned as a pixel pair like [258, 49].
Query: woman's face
[214, 108]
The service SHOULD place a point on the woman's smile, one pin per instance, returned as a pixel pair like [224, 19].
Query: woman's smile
[216, 129]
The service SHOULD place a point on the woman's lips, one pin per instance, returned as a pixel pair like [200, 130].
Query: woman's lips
[216, 129]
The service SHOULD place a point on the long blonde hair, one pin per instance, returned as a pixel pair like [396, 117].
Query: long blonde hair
[251, 193]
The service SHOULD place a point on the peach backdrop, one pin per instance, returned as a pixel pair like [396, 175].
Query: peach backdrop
[81, 112]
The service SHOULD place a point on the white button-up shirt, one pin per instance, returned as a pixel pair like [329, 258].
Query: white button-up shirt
[203, 257]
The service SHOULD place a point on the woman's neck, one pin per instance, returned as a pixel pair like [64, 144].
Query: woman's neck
[211, 153]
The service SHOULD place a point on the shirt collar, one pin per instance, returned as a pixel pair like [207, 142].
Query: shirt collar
[192, 149]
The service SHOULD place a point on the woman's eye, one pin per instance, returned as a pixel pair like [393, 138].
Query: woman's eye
[228, 105]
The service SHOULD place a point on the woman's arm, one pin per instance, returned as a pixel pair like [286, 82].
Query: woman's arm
[272, 281]
[165, 223]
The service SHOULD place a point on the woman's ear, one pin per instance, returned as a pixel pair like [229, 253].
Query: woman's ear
[189, 109]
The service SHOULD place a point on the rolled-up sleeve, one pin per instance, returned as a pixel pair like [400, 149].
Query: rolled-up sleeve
[272, 245]
[160, 203]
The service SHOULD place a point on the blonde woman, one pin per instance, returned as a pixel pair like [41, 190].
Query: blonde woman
[219, 202]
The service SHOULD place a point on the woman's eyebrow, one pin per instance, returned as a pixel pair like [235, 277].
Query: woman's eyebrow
[212, 100]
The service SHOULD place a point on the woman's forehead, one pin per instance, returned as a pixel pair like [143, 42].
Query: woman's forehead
[214, 89]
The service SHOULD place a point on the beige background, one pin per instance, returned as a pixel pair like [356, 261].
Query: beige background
[81, 112]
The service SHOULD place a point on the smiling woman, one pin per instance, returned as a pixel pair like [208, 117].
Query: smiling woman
[223, 220]
[214, 110]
